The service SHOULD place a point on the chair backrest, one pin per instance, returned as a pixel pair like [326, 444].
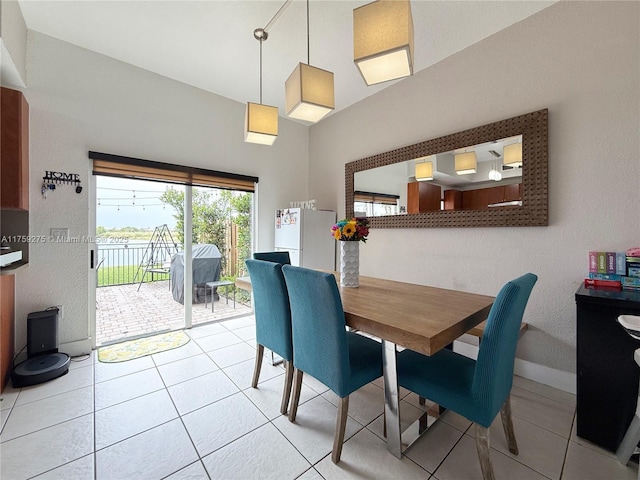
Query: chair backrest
[317, 320]
[271, 307]
[494, 368]
[277, 257]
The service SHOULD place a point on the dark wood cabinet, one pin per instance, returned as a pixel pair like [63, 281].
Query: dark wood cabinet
[423, 197]
[495, 195]
[7, 320]
[475, 199]
[14, 150]
[452, 200]
[512, 192]
[608, 376]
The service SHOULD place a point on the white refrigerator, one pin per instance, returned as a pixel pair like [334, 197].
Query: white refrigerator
[306, 235]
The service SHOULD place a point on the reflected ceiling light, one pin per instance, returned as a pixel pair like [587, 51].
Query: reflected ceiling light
[383, 40]
[260, 121]
[466, 163]
[308, 91]
[512, 154]
[424, 171]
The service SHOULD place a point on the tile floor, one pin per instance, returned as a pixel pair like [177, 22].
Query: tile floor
[190, 413]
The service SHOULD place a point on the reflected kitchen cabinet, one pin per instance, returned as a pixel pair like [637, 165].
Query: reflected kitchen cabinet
[423, 197]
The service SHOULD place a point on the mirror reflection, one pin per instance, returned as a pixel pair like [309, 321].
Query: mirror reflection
[476, 177]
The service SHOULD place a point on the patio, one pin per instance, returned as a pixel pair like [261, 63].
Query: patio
[123, 312]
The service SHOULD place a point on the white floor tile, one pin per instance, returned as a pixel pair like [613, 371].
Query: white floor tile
[227, 356]
[46, 449]
[557, 417]
[186, 369]
[8, 397]
[49, 411]
[246, 321]
[365, 404]
[218, 340]
[242, 373]
[545, 390]
[125, 388]
[82, 361]
[263, 453]
[185, 351]
[311, 474]
[126, 419]
[268, 396]
[463, 464]
[82, 468]
[248, 334]
[365, 456]
[540, 449]
[434, 446]
[200, 331]
[195, 471]
[4, 414]
[313, 431]
[77, 378]
[313, 383]
[408, 415]
[584, 463]
[222, 422]
[154, 454]
[108, 371]
[201, 391]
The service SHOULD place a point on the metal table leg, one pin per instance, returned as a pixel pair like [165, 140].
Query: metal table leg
[391, 398]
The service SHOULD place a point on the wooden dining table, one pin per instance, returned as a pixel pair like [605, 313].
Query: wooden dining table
[418, 317]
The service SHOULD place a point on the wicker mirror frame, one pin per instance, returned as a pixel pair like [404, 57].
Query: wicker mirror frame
[534, 210]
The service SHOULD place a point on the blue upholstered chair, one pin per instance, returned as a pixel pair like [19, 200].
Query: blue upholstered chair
[278, 257]
[477, 390]
[273, 320]
[322, 347]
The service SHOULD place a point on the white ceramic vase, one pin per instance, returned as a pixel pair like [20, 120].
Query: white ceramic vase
[350, 264]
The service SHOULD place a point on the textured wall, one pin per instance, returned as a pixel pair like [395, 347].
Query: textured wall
[81, 101]
[13, 31]
[581, 60]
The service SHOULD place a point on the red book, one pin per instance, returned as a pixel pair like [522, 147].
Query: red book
[592, 282]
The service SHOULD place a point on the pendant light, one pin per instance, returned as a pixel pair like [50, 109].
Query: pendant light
[383, 40]
[260, 121]
[309, 92]
[466, 163]
[512, 154]
[424, 171]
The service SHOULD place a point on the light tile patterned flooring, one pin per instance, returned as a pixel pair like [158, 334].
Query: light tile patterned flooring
[191, 413]
[123, 311]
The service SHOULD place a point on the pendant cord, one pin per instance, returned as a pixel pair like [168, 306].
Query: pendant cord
[277, 15]
[261, 71]
[308, 56]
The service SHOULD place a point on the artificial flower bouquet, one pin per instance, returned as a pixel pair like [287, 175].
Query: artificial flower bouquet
[354, 230]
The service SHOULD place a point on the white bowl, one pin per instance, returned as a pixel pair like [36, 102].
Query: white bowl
[631, 323]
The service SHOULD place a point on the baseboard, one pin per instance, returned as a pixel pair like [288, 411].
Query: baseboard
[74, 349]
[559, 379]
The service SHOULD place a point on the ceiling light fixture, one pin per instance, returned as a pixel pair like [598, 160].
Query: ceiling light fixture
[260, 121]
[309, 91]
[512, 155]
[424, 171]
[383, 40]
[466, 163]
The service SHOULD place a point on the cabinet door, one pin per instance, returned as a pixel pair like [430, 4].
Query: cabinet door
[475, 199]
[496, 195]
[423, 197]
[7, 316]
[512, 192]
[14, 150]
[452, 200]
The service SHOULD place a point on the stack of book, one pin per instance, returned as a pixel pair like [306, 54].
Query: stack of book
[614, 269]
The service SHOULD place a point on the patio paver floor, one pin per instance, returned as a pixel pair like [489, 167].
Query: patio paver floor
[123, 312]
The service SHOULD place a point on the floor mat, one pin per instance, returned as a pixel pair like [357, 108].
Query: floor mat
[141, 347]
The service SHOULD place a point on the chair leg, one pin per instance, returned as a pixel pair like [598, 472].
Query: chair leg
[341, 425]
[286, 394]
[482, 445]
[421, 400]
[297, 385]
[507, 425]
[258, 365]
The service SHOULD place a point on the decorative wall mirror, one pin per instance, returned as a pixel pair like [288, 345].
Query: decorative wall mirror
[428, 185]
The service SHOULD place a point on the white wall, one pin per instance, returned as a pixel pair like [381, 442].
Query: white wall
[13, 44]
[81, 101]
[581, 60]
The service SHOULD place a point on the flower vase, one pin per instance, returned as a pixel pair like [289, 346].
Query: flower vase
[349, 264]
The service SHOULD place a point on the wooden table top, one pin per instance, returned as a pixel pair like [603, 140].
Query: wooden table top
[418, 317]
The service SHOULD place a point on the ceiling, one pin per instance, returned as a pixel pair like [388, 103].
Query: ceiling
[210, 44]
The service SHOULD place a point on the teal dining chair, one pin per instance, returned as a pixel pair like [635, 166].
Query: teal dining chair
[278, 257]
[273, 320]
[323, 348]
[476, 389]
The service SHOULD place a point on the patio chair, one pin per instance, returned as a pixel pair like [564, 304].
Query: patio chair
[273, 320]
[476, 389]
[322, 347]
